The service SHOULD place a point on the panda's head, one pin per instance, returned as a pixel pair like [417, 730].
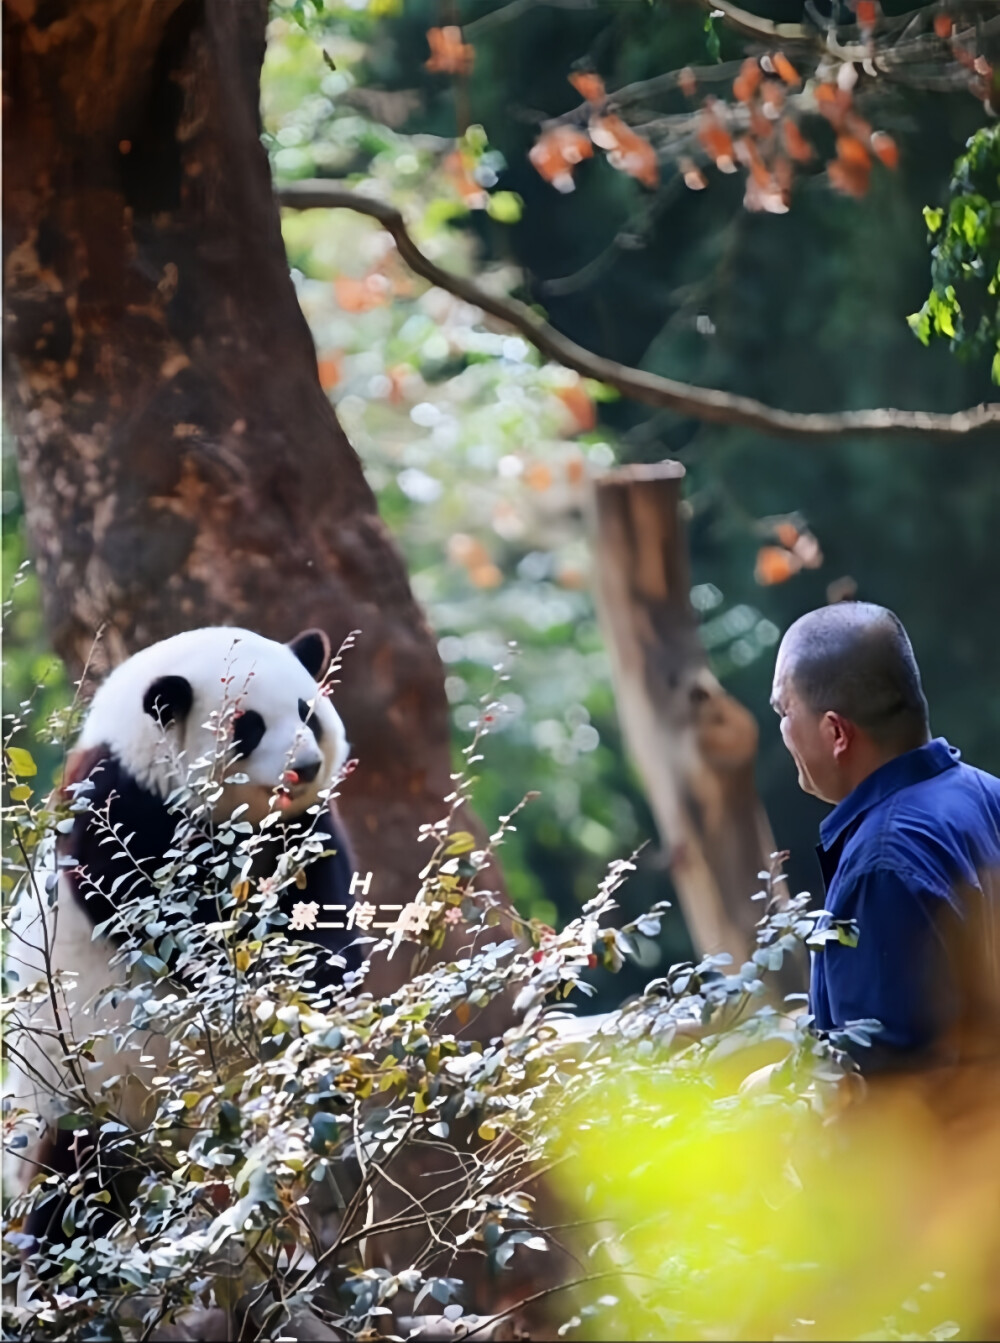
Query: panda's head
[170, 711]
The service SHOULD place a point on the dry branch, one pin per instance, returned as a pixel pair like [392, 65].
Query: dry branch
[701, 403]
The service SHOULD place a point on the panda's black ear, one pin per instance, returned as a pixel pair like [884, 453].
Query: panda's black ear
[312, 648]
[168, 699]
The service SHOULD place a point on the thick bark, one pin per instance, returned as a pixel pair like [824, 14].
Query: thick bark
[179, 461]
[693, 743]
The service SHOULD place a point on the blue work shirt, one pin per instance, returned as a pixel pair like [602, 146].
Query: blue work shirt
[912, 857]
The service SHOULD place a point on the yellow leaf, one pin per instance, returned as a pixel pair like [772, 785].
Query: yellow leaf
[301, 879]
[420, 1103]
[241, 890]
[21, 762]
[21, 793]
[242, 959]
[487, 1132]
[191, 1099]
[460, 842]
[463, 1012]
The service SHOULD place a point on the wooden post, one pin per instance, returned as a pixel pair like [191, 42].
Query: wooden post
[693, 743]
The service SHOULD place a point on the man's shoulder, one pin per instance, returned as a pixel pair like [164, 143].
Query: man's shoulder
[937, 830]
[968, 776]
[961, 799]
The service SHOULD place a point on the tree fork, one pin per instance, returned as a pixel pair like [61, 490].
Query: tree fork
[179, 461]
[694, 744]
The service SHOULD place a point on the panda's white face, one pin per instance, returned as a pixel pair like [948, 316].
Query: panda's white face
[170, 710]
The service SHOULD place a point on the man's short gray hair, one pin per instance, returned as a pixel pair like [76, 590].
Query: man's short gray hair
[855, 659]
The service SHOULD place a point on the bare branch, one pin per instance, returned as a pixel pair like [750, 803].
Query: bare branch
[747, 22]
[701, 403]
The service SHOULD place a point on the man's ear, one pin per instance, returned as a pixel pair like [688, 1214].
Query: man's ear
[168, 699]
[839, 733]
[312, 648]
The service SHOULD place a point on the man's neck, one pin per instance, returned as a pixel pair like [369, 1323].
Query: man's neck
[866, 757]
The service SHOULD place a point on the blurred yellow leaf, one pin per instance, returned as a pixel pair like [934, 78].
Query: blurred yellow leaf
[21, 762]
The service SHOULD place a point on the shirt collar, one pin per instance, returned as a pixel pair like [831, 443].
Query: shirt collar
[910, 767]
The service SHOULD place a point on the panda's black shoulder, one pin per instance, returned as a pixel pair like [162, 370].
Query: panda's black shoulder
[115, 798]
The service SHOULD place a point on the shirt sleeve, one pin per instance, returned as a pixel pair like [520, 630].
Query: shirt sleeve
[900, 972]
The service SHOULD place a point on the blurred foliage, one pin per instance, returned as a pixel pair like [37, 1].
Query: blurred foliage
[753, 1215]
[964, 304]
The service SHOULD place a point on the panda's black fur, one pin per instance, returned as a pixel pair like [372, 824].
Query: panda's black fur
[292, 747]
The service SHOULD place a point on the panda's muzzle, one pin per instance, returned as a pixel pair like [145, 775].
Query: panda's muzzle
[301, 773]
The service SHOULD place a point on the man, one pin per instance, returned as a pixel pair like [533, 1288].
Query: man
[910, 853]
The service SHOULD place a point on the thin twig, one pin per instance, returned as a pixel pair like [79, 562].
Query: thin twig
[701, 403]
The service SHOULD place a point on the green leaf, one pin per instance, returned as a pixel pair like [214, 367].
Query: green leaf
[712, 39]
[476, 139]
[942, 310]
[505, 207]
[920, 324]
[20, 761]
[600, 391]
[933, 219]
[995, 370]
[73, 1121]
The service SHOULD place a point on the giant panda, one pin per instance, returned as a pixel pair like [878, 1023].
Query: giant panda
[154, 722]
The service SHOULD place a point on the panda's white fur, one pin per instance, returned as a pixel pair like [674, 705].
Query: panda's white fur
[227, 670]
[36, 1081]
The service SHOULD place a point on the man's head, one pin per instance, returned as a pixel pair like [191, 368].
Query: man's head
[847, 688]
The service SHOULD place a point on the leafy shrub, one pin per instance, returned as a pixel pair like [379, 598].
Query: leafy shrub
[964, 303]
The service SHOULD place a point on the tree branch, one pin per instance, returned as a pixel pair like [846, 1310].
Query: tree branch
[701, 403]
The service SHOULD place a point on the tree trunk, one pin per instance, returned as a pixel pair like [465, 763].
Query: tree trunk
[180, 464]
[693, 743]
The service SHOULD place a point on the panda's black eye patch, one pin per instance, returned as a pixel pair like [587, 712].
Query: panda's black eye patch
[248, 732]
[310, 719]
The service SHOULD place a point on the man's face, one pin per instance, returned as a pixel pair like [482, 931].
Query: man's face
[803, 734]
